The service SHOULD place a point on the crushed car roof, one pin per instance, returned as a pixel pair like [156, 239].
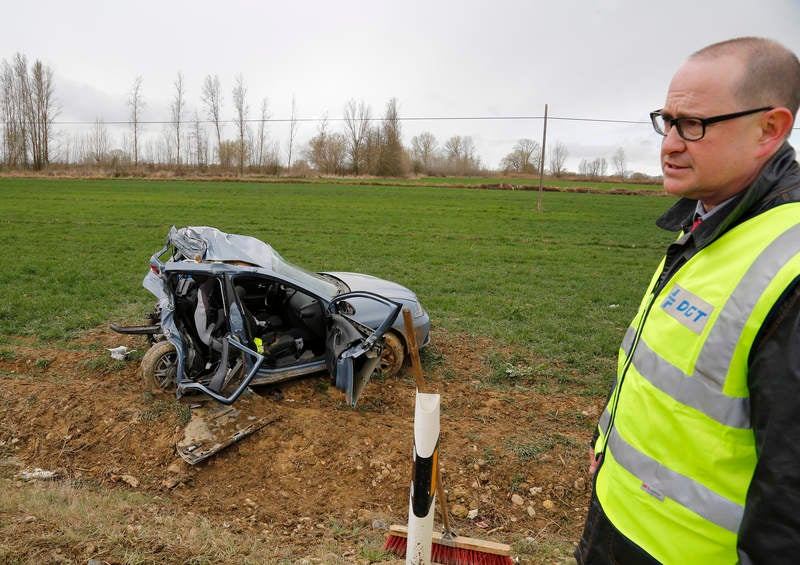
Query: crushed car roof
[212, 244]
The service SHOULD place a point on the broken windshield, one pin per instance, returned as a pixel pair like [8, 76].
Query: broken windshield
[315, 282]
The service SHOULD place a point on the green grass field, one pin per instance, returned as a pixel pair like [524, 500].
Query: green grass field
[559, 285]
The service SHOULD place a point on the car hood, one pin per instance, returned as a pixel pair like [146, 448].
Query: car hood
[388, 289]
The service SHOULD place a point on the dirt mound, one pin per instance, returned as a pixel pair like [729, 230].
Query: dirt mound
[515, 454]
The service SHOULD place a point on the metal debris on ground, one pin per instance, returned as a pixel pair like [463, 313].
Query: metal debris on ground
[120, 353]
[214, 426]
[38, 475]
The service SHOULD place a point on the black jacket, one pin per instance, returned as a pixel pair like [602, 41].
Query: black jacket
[770, 529]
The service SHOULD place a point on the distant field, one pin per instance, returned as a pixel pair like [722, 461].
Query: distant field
[534, 182]
[526, 182]
[560, 284]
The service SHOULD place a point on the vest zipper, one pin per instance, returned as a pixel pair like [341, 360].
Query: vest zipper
[614, 401]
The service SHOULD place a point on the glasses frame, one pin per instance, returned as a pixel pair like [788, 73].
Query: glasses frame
[676, 122]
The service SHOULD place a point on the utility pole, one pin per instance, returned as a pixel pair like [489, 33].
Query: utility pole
[541, 161]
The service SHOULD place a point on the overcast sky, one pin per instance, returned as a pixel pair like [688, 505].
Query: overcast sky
[602, 60]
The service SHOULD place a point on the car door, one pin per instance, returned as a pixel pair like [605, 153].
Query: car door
[235, 362]
[354, 350]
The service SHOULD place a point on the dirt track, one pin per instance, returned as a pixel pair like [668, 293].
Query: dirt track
[516, 455]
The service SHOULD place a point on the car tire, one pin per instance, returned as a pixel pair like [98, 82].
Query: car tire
[392, 356]
[159, 367]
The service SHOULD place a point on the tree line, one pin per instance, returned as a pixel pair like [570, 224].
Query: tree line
[363, 145]
[27, 110]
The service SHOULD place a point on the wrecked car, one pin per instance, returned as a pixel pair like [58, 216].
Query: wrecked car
[232, 313]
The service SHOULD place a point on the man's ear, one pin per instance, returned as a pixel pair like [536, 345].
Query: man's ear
[776, 125]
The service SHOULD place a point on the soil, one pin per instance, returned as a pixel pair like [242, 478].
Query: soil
[516, 453]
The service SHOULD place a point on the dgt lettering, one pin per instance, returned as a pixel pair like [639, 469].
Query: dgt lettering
[690, 311]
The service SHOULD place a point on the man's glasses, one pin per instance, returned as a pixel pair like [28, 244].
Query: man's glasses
[693, 129]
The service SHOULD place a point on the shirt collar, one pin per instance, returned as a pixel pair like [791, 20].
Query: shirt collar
[700, 211]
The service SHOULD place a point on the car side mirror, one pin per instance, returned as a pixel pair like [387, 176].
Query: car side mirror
[345, 307]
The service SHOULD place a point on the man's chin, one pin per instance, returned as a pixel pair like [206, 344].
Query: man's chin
[676, 187]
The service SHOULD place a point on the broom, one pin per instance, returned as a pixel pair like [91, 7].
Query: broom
[447, 547]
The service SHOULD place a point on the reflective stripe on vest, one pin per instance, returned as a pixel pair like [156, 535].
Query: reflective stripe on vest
[691, 494]
[688, 386]
[717, 352]
[703, 389]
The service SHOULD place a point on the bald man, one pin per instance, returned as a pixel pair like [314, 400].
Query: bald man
[696, 458]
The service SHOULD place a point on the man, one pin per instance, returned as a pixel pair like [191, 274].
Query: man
[697, 454]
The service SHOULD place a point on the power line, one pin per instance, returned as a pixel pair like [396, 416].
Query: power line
[306, 120]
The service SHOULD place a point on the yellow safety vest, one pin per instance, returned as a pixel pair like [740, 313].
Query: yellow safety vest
[681, 451]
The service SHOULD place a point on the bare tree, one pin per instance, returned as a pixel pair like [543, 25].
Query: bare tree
[326, 151]
[166, 145]
[472, 162]
[391, 162]
[98, 143]
[177, 114]
[272, 158]
[336, 153]
[199, 139]
[618, 160]
[454, 148]
[13, 117]
[461, 155]
[593, 169]
[530, 152]
[228, 152]
[22, 93]
[558, 159]
[67, 150]
[6, 112]
[241, 109]
[317, 146]
[356, 123]
[524, 158]
[43, 112]
[136, 104]
[262, 134]
[373, 146]
[423, 150]
[211, 97]
[292, 134]
[602, 167]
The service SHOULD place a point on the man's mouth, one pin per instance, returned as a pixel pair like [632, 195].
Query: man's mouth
[673, 167]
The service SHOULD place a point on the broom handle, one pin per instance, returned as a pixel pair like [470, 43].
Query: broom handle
[443, 500]
[413, 350]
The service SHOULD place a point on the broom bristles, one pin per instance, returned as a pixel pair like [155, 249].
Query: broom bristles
[397, 544]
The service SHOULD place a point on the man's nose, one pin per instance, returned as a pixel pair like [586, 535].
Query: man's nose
[672, 141]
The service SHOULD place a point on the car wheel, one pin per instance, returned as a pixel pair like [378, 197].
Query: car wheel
[159, 367]
[392, 356]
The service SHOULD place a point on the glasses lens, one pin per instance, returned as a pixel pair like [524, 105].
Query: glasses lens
[659, 124]
[691, 129]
